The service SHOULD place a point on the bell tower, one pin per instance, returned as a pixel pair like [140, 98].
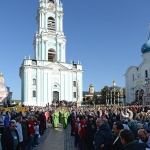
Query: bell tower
[49, 41]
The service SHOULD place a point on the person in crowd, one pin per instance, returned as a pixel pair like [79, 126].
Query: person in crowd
[81, 132]
[55, 116]
[75, 129]
[89, 132]
[115, 144]
[6, 120]
[127, 139]
[47, 115]
[10, 138]
[144, 137]
[36, 127]
[24, 133]
[31, 132]
[102, 135]
[19, 129]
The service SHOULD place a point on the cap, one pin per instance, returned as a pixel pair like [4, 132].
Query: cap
[90, 116]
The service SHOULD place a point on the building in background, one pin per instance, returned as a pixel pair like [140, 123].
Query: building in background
[114, 94]
[5, 94]
[88, 95]
[48, 78]
[136, 75]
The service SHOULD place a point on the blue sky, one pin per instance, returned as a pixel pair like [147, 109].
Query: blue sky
[105, 35]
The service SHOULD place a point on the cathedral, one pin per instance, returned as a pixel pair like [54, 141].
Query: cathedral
[5, 94]
[136, 76]
[48, 77]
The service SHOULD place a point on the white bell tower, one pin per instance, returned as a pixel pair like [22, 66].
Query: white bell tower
[49, 41]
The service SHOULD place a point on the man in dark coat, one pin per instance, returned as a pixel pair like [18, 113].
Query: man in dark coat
[89, 133]
[127, 139]
[10, 138]
[102, 135]
[116, 143]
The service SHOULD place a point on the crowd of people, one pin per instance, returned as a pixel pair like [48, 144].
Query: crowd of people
[22, 131]
[93, 128]
[111, 128]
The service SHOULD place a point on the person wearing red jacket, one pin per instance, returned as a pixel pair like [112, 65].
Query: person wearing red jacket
[31, 132]
[75, 129]
[81, 131]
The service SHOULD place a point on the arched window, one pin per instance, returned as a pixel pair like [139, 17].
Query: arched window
[34, 93]
[51, 55]
[74, 95]
[74, 83]
[51, 24]
[34, 81]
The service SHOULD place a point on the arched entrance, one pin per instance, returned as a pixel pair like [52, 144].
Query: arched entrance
[141, 94]
[56, 96]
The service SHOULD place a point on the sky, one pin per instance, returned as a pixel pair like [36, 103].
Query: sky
[105, 35]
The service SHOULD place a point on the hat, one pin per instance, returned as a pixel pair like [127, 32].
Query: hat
[90, 116]
[14, 121]
[139, 126]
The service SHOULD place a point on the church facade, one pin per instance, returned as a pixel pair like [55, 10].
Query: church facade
[5, 94]
[48, 78]
[136, 76]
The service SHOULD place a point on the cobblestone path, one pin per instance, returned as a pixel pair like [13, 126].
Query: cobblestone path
[56, 139]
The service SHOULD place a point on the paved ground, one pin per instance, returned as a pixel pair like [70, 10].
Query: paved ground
[56, 139]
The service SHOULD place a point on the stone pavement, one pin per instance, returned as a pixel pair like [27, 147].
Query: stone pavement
[56, 139]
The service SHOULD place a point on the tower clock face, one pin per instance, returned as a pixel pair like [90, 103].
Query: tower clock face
[51, 6]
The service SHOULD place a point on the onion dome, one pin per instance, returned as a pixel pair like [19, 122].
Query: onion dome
[146, 47]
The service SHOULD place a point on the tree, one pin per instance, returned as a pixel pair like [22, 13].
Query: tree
[94, 98]
[124, 92]
[103, 91]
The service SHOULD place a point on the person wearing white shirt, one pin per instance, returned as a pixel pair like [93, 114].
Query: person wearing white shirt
[19, 129]
[144, 137]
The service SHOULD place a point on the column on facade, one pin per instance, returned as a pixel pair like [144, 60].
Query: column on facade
[57, 50]
[30, 85]
[64, 50]
[25, 86]
[56, 22]
[36, 48]
[42, 49]
[78, 90]
[39, 49]
[45, 87]
[61, 25]
[45, 20]
[38, 87]
[111, 98]
[71, 85]
[49, 87]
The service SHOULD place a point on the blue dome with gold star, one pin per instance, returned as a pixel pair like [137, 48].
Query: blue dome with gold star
[146, 47]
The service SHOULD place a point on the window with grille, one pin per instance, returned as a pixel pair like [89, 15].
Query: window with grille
[51, 24]
[34, 93]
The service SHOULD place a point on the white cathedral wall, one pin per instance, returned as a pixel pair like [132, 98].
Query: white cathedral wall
[145, 66]
[130, 83]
